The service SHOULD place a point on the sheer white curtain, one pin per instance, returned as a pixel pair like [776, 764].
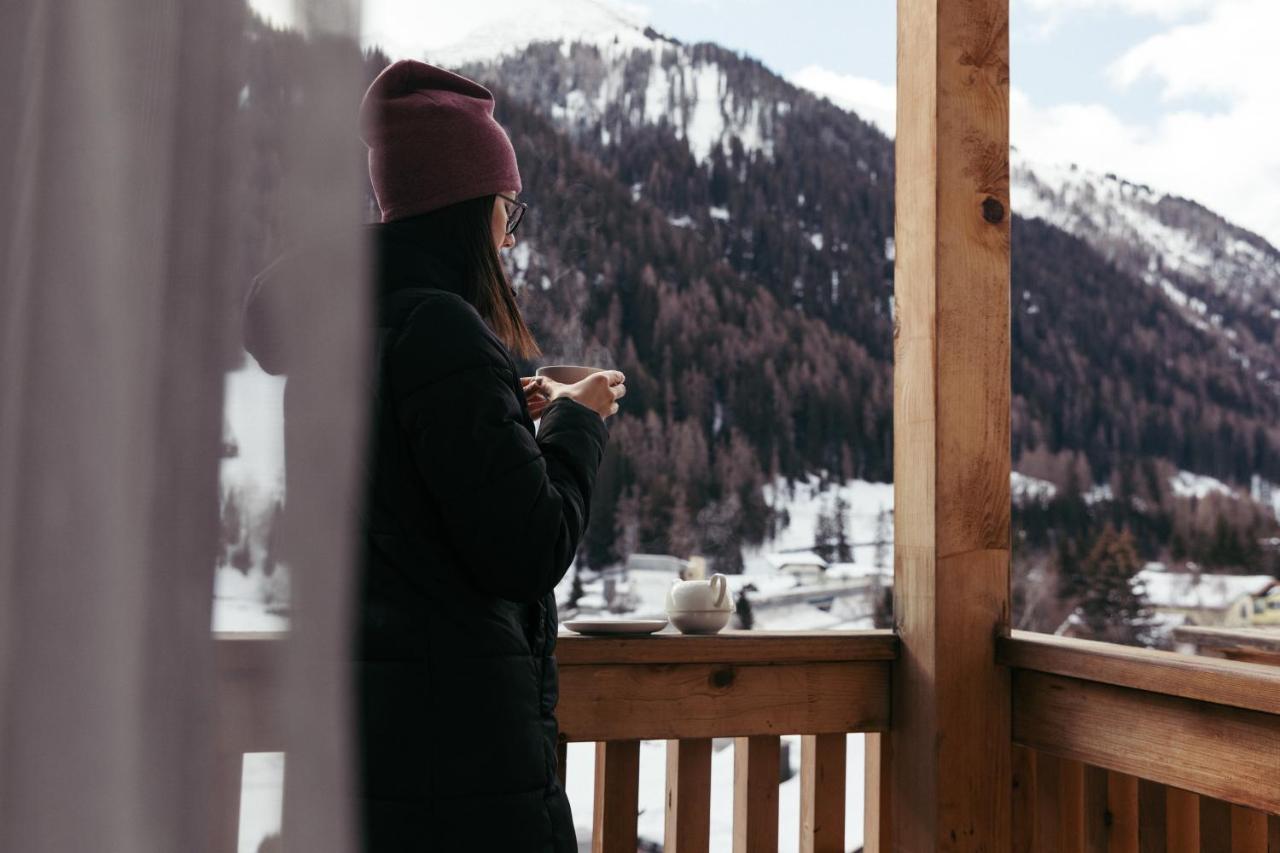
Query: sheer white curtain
[122, 265]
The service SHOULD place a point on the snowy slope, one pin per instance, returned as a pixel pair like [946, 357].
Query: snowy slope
[497, 28]
[1173, 234]
[1223, 279]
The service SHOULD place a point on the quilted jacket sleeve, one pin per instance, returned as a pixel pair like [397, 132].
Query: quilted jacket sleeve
[515, 507]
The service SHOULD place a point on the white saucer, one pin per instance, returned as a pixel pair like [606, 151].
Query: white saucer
[600, 627]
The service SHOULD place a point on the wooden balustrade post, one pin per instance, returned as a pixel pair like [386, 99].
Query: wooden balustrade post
[951, 701]
[688, 818]
[1122, 811]
[1248, 831]
[1182, 821]
[1023, 802]
[1152, 827]
[822, 794]
[755, 793]
[1215, 826]
[877, 804]
[617, 796]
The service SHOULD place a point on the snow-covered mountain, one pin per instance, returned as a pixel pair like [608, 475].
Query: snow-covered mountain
[1224, 279]
[501, 27]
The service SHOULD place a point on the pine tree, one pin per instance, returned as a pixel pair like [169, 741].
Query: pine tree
[844, 549]
[742, 607]
[1111, 600]
[883, 532]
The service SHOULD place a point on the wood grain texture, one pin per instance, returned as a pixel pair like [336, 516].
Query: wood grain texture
[1059, 823]
[822, 794]
[1225, 752]
[877, 804]
[755, 794]
[672, 701]
[1023, 801]
[951, 778]
[1248, 831]
[1273, 834]
[736, 647]
[1182, 821]
[1122, 813]
[688, 818]
[617, 797]
[1152, 807]
[1222, 682]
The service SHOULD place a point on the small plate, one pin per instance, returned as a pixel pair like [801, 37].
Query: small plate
[601, 627]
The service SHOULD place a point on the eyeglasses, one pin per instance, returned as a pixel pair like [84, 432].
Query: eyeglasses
[514, 213]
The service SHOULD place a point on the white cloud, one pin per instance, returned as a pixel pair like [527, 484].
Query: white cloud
[872, 100]
[1230, 52]
[1165, 10]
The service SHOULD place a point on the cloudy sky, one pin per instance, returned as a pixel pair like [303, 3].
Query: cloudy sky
[1178, 94]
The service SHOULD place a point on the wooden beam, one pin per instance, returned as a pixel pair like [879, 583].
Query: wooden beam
[688, 818]
[1219, 751]
[822, 794]
[617, 797]
[671, 701]
[735, 647]
[755, 794]
[1222, 682]
[951, 757]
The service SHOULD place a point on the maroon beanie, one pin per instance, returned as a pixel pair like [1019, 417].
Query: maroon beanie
[432, 140]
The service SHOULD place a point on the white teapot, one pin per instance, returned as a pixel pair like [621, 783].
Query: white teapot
[700, 607]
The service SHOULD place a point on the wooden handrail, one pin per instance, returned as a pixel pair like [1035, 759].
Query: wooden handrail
[1241, 685]
[1201, 724]
[732, 685]
[742, 647]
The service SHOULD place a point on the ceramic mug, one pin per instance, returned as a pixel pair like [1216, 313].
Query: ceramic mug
[566, 374]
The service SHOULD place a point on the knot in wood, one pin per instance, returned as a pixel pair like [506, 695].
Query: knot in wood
[722, 676]
[992, 210]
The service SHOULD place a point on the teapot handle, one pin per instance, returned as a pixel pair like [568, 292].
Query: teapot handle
[720, 584]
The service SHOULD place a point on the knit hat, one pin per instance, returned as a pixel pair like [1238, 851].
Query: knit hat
[432, 140]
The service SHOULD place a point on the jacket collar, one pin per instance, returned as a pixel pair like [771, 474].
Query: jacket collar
[403, 262]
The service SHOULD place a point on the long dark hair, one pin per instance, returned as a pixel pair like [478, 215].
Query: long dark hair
[461, 235]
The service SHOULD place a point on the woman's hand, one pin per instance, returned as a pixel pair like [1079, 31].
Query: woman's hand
[535, 395]
[599, 392]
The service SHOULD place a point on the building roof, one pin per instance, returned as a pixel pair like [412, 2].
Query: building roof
[1199, 590]
[795, 558]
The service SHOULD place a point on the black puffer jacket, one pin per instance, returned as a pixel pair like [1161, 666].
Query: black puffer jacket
[470, 521]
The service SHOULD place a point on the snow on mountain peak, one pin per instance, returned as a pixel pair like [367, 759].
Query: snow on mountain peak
[497, 28]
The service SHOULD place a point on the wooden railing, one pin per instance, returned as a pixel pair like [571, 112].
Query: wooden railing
[1123, 749]
[751, 686]
[1114, 748]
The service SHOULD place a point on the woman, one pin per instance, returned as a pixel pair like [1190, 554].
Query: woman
[471, 519]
